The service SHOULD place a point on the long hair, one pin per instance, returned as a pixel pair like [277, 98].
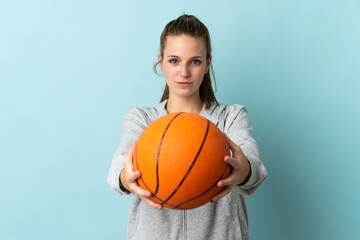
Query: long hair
[193, 27]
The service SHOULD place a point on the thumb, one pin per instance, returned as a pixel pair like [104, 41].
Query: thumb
[128, 157]
[235, 149]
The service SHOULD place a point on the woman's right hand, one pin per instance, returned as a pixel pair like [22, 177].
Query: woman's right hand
[128, 179]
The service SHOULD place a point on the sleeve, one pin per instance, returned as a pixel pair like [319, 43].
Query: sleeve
[134, 123]
[238, 129]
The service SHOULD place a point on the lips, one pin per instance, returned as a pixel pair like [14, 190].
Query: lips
[184, 83]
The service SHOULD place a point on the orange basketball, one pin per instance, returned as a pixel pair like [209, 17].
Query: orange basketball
[181, 159]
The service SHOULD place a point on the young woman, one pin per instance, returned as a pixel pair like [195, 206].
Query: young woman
[185, 59]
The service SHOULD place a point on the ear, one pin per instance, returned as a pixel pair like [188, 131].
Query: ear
[160, 62]
[208, 62]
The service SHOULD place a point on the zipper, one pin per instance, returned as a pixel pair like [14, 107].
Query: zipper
[184, 225]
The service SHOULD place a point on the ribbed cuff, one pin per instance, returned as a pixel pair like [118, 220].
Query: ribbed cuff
[121, 185]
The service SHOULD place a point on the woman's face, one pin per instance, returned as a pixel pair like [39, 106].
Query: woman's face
[184, 65]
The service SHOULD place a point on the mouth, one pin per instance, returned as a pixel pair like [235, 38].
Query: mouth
[184, 83]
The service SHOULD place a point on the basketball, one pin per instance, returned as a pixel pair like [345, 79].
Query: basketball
[181, 159]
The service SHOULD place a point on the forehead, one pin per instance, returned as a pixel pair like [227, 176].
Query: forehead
[184, 45]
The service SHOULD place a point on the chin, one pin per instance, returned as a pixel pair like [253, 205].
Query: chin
[185, 93]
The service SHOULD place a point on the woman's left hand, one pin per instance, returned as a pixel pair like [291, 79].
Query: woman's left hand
[241, 170]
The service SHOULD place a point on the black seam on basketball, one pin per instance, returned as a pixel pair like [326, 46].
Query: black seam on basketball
[159, 150]
[153, 195]
[177, 206]
[141, 178]
[192, 164]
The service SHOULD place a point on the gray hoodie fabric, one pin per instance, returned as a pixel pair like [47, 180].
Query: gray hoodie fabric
[225, 219]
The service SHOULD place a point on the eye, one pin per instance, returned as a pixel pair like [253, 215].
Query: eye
[173, 61]
[196, 61]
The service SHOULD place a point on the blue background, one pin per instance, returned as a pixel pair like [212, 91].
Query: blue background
[70, 70]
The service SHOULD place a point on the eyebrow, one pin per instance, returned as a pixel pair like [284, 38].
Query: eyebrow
[178, 57]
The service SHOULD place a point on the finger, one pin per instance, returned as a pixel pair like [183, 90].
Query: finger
[139, 191]
[145, 196]
[223, 193]
[227, 181]
[151, 203]
[234, 163]
[134, 175]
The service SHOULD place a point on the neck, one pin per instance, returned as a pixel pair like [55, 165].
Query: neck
[176, 104]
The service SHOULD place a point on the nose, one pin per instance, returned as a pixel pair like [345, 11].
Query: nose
[185, 71]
